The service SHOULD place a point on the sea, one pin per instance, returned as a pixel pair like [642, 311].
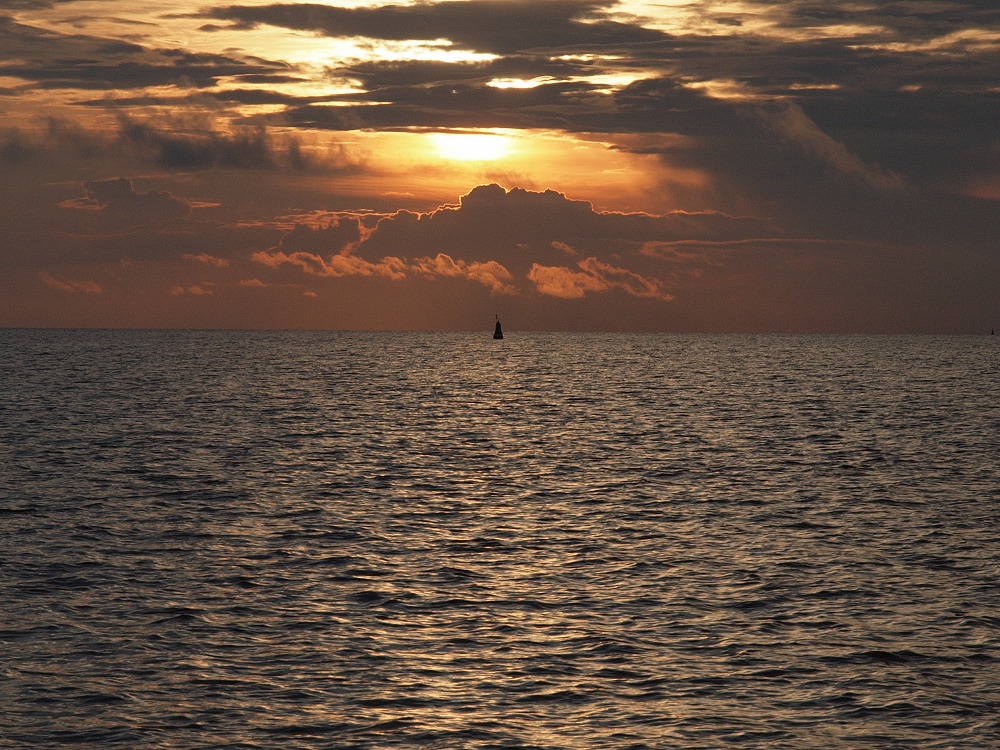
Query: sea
[255, 540]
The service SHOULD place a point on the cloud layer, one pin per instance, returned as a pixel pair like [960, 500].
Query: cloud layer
[825, 166]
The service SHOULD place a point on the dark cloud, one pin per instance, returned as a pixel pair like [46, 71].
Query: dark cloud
[201, 100]
[898, 109]
[248, 147]
[32, 44]
[200, 71]
[929, 134]
[78, 61]
[904, 19]
[169, 143]
[119, 198]
[15, 148]
[82, 21]
[30, 4]
[497, 26]
[917, 113]
[394, 74]
[770, 65]
[560, 105]
[272, 79]
[339, 235]
[491, 219]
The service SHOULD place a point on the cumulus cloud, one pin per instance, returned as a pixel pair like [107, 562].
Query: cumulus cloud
[525, 226]
[501, 238]
[338, 234]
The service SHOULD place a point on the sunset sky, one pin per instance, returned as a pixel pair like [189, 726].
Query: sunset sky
[803, 165]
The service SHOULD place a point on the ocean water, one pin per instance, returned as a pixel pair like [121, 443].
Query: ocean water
[436, 540]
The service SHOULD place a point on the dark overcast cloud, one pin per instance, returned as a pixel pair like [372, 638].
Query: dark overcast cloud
[898, 111]
[79, 61]
[497, 26]
[21, 4]
[905, 19]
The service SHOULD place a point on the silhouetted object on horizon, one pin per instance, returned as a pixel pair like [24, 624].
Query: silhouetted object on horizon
[498, 332]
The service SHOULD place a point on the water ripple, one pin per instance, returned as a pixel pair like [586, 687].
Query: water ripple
[317, 540]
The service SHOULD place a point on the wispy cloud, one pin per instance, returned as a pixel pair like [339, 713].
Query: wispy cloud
[70, 285]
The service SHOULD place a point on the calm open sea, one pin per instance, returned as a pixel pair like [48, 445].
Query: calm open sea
[378, 540]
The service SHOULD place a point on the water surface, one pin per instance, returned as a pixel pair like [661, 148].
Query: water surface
[372, 540]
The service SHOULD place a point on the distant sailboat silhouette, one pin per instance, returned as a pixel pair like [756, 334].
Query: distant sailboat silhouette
[498, 332]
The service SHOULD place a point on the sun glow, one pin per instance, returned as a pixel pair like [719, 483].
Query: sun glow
[518, 83]
[472, 146]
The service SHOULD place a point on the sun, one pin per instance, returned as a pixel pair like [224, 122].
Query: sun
[471, 146]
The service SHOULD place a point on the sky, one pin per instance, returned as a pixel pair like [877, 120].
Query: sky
[819, 166]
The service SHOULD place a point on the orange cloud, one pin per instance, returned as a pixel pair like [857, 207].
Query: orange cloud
[557, 281]
[209, 260]
[352, 265]
[336, 266]
[563, 247]
[490, 273]
[633, 283]
[196, 290]
[69, 285]
[594, 276]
